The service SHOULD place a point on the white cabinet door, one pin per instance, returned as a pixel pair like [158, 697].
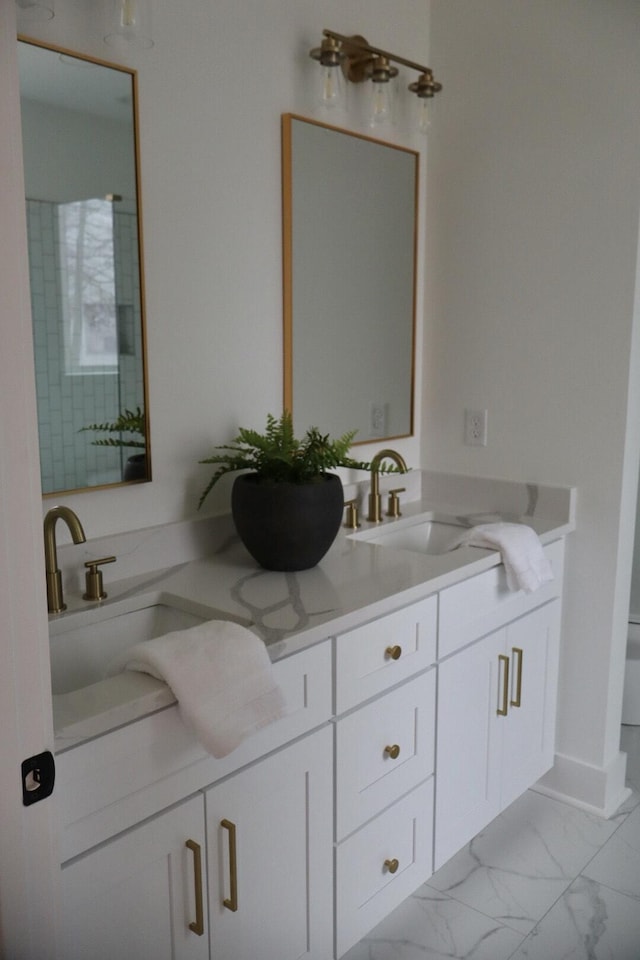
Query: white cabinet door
[269, 832]
[529, 729]
[137, 896]
[496, 724]
[469, 746]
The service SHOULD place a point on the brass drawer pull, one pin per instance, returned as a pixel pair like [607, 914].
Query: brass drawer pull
[392, 865]
[502, 711]
[517, 652]
[231, 902]
[394, 652]
[392, 750]
[197, 925]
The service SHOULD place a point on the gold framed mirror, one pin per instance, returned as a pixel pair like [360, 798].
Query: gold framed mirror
[84, 227]
[349, 269]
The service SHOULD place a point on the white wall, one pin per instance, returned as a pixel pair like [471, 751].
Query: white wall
[212, 91]
[634, 604]
[534, 193]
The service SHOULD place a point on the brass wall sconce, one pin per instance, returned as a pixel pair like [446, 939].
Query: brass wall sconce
[359, 61]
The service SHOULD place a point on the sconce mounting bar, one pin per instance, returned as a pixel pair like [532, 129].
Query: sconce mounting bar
[355, 47]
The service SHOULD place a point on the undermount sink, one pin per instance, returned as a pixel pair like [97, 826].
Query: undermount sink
[84, 643]
[432, 534]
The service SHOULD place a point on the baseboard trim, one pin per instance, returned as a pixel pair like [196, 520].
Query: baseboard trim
[598, 790]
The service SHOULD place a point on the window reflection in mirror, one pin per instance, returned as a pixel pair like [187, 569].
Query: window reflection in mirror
[350, 228]
[84, 237]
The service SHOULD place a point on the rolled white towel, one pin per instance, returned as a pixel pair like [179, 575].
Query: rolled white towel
[525, 564]
[221, 676]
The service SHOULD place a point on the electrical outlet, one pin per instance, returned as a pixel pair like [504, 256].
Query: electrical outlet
[378, 419]
[475, 428]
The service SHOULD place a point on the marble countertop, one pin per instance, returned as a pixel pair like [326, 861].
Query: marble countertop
[356, 581]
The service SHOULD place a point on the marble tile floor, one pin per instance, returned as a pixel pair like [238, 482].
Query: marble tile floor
[544, 881]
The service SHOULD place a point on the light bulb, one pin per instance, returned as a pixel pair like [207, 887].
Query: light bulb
[424, 114]
[130, 24]
[331, 86]
[128, 13]
[381, 106]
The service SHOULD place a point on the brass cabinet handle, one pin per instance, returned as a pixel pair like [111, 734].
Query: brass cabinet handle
[392, 865]
[231, 903]
[517, 653]
[392, 750]
[394, 652]
[502, 711]
[197, 925]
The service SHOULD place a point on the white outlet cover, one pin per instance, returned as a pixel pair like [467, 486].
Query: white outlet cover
[475, 428]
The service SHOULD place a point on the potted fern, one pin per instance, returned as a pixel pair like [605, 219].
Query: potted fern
[287, 509]
[131, 422]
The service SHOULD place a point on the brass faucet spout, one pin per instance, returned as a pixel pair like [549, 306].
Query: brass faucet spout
[375, 499]
[55, 599]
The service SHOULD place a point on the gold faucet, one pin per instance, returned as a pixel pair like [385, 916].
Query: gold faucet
[55, 601]
[375, 499]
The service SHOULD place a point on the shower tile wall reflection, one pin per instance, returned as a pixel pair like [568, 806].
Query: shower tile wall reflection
[69, 401]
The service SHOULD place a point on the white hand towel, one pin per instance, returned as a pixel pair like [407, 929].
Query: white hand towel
[221, 676]
[525, 564]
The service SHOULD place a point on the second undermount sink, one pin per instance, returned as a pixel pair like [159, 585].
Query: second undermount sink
[432, 534]
[84, 643]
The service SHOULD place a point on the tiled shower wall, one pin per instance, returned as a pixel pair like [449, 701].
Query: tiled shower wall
[68, 402]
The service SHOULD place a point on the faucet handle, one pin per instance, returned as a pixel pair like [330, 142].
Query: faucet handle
[393, 508]
[351, 518]
[93, 579]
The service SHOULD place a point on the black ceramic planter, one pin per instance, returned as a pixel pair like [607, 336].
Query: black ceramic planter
[136, 467]
[287, 526]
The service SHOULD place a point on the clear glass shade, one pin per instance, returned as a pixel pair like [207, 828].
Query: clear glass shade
[381, 103]
[129, 23]
[30, 11]
[425, 106]
[331, 86]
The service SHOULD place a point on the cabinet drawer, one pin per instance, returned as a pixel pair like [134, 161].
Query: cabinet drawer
[369, 774]
[478, 606]
[366, 889]
[366, 661]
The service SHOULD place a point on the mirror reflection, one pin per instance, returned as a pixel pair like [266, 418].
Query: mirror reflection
[84, 237]
[350, 209]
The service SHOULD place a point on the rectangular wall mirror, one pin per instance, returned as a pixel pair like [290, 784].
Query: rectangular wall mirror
[85, 264]
[350, 240]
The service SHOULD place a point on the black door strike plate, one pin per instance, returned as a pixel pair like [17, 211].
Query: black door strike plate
[38, 777]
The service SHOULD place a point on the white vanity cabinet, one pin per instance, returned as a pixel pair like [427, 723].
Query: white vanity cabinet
[385, 738]
[142, 894]
[322, 823]
[269, 831]
[496, 703]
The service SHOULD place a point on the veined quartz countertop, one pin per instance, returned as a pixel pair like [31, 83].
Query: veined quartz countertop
[356, 581]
